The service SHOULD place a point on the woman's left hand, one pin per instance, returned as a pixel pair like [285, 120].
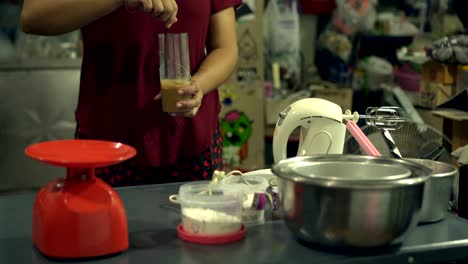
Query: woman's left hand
[188, 107]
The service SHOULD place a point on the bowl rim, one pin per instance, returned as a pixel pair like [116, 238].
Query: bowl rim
[419, 173]
[451, 173]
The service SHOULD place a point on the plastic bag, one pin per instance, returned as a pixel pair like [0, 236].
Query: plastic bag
[282, 26]
[348, 18]
[350, 15]
[451, 50]
[282, 39]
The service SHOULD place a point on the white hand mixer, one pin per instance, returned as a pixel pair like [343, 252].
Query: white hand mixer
[323, 131]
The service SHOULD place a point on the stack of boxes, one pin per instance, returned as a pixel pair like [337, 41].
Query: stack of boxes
[438, 84]
[242, 96]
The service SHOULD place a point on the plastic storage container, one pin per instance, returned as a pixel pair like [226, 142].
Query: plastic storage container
[205, 213]
[377, 71]
[254, 190]
[408, 80]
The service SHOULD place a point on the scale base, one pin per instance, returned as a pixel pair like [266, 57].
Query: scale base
[79, 219]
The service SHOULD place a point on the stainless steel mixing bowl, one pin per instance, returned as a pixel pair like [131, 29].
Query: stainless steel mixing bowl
[338, 210]
[437, 190]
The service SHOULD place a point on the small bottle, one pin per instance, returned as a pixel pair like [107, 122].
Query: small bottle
[276, 210]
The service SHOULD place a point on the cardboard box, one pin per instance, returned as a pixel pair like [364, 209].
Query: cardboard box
[273, 106]
[455, 126]
[242, 126]
[433, 94]
[250, 65]
[439, 73]
[242, 98]
[430, 119]
[451, 24]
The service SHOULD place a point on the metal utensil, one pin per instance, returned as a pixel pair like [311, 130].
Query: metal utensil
[414, 140]
[386, 118]
[339, 212]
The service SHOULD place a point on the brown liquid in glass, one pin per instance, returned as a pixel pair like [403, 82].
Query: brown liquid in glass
[170, 96]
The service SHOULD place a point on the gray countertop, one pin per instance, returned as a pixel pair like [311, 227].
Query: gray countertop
[153, 220]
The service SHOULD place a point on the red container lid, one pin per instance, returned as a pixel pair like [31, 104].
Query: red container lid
[73, 153]
[210, 239]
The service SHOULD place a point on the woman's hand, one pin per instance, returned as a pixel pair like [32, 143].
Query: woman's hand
[165, 10]
[189, 107]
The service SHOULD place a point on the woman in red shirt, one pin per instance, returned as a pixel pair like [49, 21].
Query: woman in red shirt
[119, 87]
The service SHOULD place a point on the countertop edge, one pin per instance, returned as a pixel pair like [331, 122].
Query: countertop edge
[40, 64]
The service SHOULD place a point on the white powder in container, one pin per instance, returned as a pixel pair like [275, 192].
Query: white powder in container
[203, 221]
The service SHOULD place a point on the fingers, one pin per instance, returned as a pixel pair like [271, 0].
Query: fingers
[191, 102]
[189, 90]
[170, 13]
[166, 11]
[147, 5]
[158, 8]
[157, 97]
[192, 98]
[189, 108]
[188, 105]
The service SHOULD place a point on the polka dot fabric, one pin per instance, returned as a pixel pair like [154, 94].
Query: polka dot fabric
[193, 169]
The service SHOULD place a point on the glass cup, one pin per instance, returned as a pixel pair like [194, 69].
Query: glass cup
[174, 69]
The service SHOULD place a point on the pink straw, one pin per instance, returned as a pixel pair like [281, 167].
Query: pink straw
[363, 141]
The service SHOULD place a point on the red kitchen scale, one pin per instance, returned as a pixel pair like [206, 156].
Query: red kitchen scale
[79, 215]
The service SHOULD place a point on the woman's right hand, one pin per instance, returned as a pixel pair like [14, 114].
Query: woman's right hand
[165, 10]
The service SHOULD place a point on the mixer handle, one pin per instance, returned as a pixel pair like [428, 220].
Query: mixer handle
[330, 138]
[280, 141]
